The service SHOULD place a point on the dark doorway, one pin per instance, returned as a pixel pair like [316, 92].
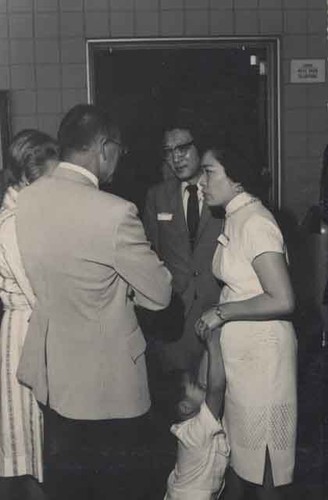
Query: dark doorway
[224, 88]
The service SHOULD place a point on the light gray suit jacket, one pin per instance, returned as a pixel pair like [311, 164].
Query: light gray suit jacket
[193, 280]
[84, 251]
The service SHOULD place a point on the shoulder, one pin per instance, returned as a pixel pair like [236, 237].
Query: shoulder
[261, 233]
[260, 220]
[116, 204]
[163, 188]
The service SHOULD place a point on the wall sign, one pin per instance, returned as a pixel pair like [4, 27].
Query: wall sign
[307, 71]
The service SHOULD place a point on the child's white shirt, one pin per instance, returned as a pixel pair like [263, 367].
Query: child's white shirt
[203, 454]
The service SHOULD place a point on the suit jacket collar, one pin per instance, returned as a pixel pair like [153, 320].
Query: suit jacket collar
[75, 173]
[174, 194]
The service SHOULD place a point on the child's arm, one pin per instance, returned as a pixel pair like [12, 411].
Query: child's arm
[215, 374]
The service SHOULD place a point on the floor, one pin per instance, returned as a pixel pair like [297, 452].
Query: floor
[311, 482]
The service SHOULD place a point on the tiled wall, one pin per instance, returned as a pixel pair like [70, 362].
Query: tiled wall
[42, 61]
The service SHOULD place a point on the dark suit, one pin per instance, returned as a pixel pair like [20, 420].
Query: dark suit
[193, 281]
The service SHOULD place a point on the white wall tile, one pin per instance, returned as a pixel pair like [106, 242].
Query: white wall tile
[121, 4]
[48, 76]
[71, 24]
[73, 50]
[270, 4]
[46, 25]
[172, 4]
[197, 4]
[48, 101]
[294, 96]
[294, 46]
[96, 5]
[46, 51]
[317, 21]
[71, 97]
[49, 123]
[4, 23]
[246, 22]
[317, 46]
[20, 26]
[295, 144]
[21, 51]
[146, 5]
[147, 23]
[71, 5]
[46, 5]
[172, 23]
[221, 22]
[318, 120]
[316, 145]
[23, 102]
[197, 22]
[23, 121]
[73, 76]
[317, 95]
[22, 77]
[295, 4]
[4, 78]
[97, 24]
[245, 4]
[295, 120]
[121, 24]
[271, 21]
[20, 5]
[296, 22]
[4, 52]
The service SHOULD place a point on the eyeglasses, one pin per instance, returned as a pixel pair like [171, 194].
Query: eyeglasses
[181, 150]
[123, 149]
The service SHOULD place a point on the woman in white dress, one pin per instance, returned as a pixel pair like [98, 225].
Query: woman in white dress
[258, 341]
[31, 155]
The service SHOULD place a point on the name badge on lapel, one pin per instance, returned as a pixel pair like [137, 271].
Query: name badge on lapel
[164, 216]
[223, 240]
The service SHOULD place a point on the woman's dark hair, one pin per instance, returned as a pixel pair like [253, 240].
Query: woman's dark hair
[28, 153]
[238, 168]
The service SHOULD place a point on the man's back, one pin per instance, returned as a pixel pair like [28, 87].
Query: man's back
[83, 250]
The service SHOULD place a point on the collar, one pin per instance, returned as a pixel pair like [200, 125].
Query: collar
[185, 184]
[239, 201]
[80, 170]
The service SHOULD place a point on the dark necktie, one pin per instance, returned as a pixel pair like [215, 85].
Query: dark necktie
[192, 213]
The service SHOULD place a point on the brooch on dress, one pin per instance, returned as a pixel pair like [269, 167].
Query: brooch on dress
[223, 240]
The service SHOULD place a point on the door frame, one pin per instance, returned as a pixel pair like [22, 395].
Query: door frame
[272, 45]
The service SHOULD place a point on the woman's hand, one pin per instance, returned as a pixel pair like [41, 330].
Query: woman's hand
[208, 321]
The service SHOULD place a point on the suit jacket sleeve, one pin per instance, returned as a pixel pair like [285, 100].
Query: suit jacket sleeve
[150, 219]
[138, 265]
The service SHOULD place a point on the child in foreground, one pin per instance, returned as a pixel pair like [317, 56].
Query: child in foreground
[203, 451]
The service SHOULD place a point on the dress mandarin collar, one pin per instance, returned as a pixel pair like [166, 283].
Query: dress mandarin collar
[239, 201]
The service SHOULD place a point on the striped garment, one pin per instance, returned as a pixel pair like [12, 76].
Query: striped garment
[21, 426]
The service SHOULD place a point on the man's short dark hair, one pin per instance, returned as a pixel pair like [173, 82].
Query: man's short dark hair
[81, 127]
[184, 122]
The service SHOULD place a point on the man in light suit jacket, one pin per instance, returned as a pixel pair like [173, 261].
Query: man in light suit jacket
[188, 257]
[89, 263]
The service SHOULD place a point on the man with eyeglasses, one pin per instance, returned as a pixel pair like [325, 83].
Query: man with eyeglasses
[89, 262]
[184, 233]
